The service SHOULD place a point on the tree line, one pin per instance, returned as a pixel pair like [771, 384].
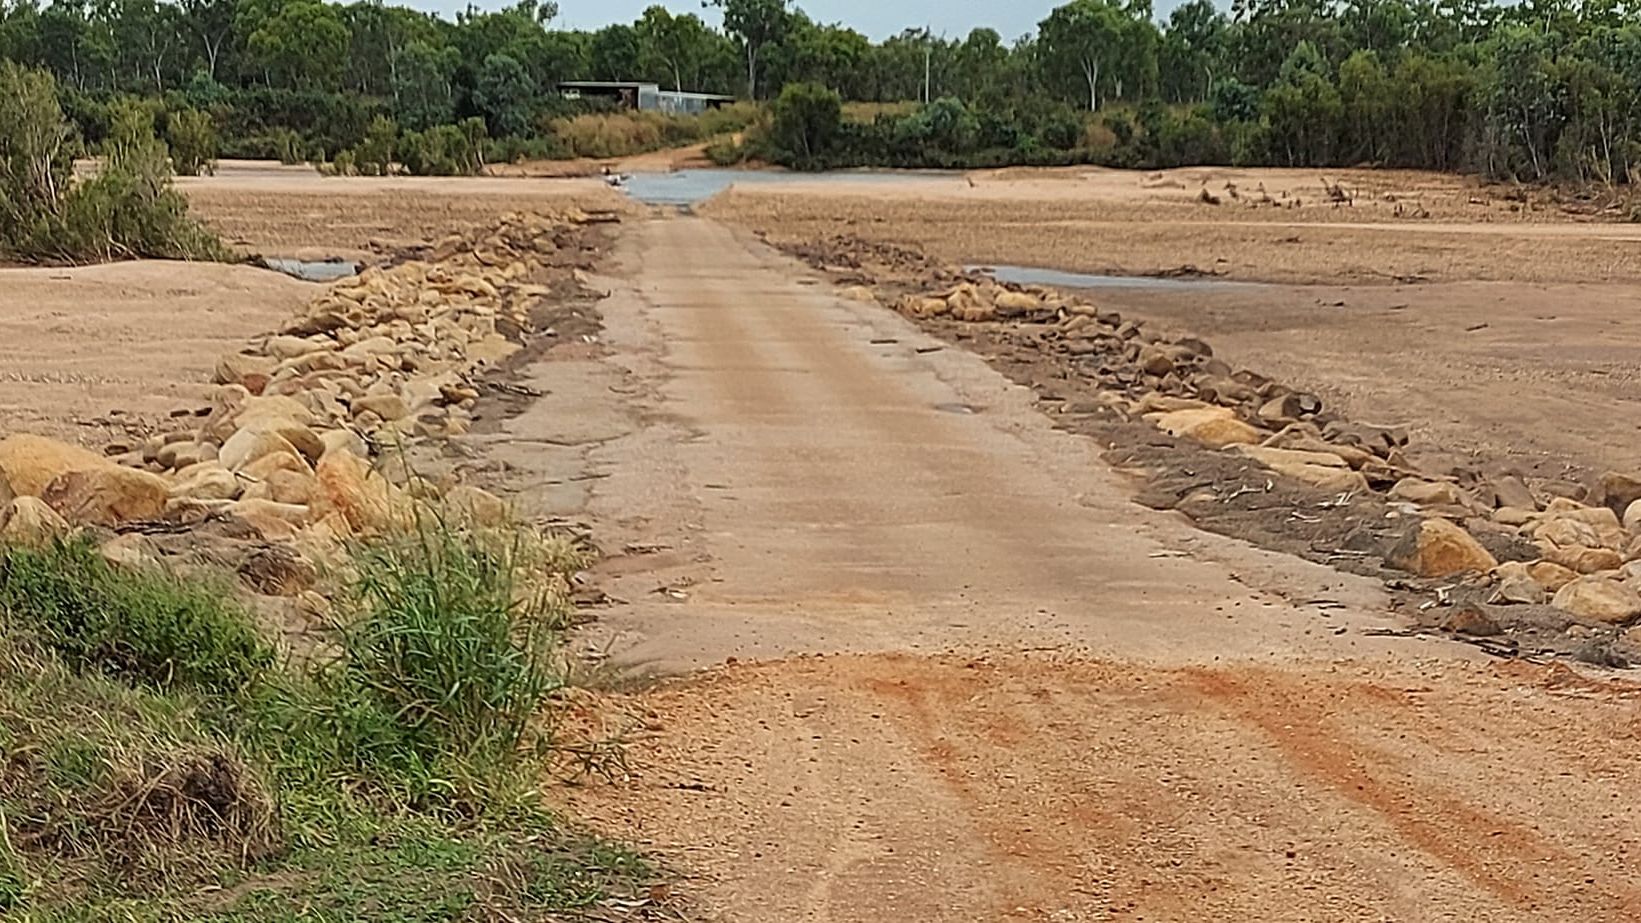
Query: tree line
[1535, 89]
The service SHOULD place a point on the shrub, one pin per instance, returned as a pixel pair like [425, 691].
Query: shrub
[192, 136]
[127, 210]
[807, 120]
[625, 134]
[288, 146]
[727, 152]
[35, 170]
[97, 773]
[374, 155]
[443, 665]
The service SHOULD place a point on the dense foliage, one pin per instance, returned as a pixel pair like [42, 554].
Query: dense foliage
[127, 208]
[1534, 90]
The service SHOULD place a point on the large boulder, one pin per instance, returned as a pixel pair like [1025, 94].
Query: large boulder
[29, 521]
[131, 550]
[1215, 427]
[475, 506]
[1331, 478]
[349, 486]
[1271, 457]
[1014, 304]
[1618, 490]
[294, 487]
[1584, 560]
[387, 406]
[1600, 599]
[107, 495]
[1511, 491]
[249, 445]
[207, 481]
[344, 440]
[29, 462]
[245, 369]
[1439, 548]
[1513, 583]
[1550, 575]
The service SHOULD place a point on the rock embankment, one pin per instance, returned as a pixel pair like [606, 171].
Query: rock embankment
[285, 463]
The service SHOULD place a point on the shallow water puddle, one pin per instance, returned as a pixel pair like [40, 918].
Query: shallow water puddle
[1035, 275]
[310, 270]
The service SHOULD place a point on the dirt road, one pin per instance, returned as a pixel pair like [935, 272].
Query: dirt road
[1513, 342]
[1036, 701]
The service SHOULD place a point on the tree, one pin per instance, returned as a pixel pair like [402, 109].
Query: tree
[422, 89]
[677, 45]
[505, 95]
[614, 53]
[807, 119]
[1303, 109]
[982, 66]
[302, 46]
[212, 22]
[192, 137]
[1369, 108]
[1193, 50]
[35, 168]
[757, 24]
[1084, 37]
[1521, 96]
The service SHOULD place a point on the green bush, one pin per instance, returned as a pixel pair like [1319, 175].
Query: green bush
[374, 155]
[445, 150]
[807, 122]
[128, 209]
[35, 169]
[391, 775]
[726, 152]
[444, 664]
[289, 147]
[192, 136]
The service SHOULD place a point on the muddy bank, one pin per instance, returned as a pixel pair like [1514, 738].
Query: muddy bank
[295, 212]
[98, 353]
[1399, 228]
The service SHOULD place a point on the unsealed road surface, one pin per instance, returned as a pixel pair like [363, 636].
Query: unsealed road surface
[969, 680]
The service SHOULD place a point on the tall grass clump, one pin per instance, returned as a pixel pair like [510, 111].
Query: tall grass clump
[625, 134]
[159, 763]
[444, 663]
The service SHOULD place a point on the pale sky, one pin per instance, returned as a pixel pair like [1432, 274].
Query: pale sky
[876, 18]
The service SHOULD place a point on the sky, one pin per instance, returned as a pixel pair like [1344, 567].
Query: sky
[878, 19]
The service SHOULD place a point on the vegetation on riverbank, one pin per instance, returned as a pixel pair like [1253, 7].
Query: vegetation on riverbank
[126, 209]
[160, 760]
[1529, 90]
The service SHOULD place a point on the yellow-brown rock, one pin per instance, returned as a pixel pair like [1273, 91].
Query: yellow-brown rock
[106, 495]
[1439, 548]
[29, 462]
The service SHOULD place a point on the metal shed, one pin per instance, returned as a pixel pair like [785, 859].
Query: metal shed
[645, 97]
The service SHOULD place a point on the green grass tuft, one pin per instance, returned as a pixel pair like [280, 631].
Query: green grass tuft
[145, 626]
[159, 764]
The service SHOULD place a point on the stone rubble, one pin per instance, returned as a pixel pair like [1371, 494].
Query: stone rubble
[279, 465]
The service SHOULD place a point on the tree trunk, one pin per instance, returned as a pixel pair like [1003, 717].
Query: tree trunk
[1091, 72]
[751, 72]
